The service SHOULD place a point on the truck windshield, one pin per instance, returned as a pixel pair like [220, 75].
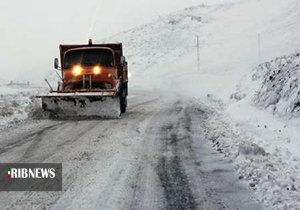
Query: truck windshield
[90, 57]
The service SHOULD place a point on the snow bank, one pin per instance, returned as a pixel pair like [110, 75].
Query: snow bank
[248, 148]
[16, 103]
[280, 89]
[267, 146]
[272, 173]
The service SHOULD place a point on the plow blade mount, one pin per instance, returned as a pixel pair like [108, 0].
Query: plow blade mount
[96, 104]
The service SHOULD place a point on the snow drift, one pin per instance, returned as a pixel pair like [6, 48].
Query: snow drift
[280, 89]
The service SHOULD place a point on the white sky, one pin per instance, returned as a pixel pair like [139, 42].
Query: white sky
[31, 30]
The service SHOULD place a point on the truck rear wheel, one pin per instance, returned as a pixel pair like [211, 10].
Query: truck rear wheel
[123, 99]
[123, 104]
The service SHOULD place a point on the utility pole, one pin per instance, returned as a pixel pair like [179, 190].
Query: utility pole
[259, 49]
[198, 54]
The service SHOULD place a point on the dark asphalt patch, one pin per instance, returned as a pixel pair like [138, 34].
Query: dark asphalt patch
[176, 188]
[174, 181]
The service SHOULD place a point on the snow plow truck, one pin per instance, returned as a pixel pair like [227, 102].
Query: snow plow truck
[94, 81]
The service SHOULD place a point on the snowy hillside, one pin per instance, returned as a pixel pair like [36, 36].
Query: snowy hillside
[166, 39]
[234, 38]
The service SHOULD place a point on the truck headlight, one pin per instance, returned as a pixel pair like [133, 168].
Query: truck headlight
[77, 70]
[97, 70]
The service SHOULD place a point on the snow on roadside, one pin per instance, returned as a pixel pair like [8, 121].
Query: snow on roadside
[272, 171]
[16, 103]
[258, 130]
[265, 110]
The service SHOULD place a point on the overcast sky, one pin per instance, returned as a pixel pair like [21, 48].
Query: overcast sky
[31, 30]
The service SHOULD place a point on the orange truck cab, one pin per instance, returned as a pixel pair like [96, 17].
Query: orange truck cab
[92, 67]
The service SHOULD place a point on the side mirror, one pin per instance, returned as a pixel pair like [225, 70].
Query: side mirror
[123, 61]
[56, 64]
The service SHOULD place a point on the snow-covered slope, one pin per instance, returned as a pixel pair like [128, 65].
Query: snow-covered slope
[234, 37]
[280, 90]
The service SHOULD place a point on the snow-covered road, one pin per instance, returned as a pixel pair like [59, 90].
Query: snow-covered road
[154, 157]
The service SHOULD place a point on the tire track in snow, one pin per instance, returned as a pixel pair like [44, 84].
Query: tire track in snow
[29, 137]
[68, 139]
[179, 168]
[174, 181]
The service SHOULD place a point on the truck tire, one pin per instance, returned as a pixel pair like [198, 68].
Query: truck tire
[123, 99]
[123, 104]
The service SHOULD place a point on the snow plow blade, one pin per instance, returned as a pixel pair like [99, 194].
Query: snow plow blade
[82, 104]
